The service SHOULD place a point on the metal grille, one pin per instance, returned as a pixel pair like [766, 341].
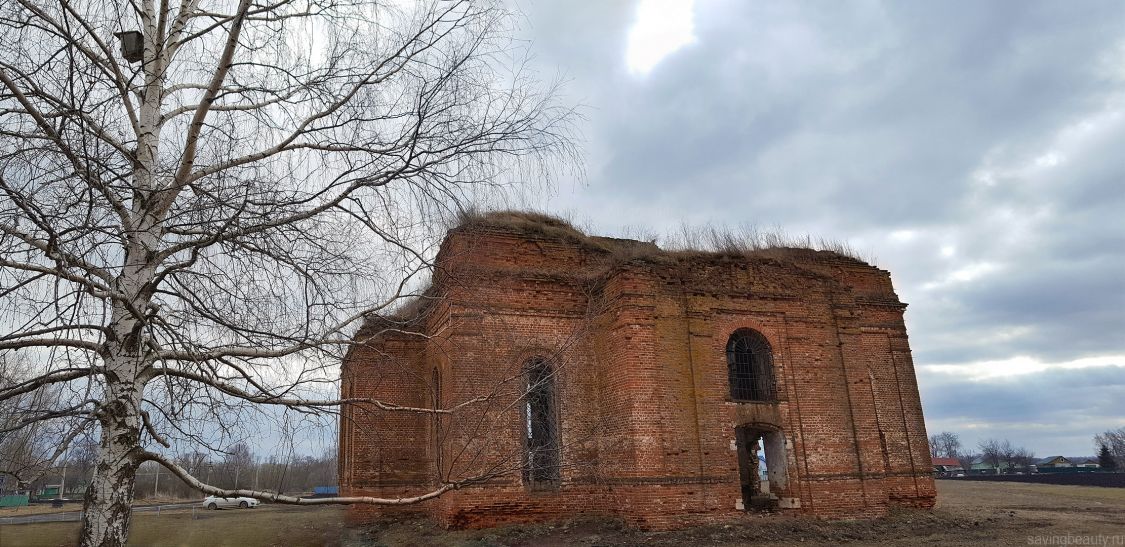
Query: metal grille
[436, 383]
[750, 364]
[541, 461]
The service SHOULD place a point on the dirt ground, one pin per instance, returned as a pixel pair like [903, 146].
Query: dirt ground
[968, 513]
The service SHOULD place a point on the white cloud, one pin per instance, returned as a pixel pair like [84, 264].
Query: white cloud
[1019, 365]
[1050, 159]
[903, 236]
[661, 27]
[963, 274]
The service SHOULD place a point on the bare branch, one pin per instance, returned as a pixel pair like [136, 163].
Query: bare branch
[291, 500]
[33, 384]
[189, 149]
[267, 398]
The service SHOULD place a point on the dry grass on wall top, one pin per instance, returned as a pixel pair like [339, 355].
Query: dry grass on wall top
[752, 240]
[689, 242]
[528, 223]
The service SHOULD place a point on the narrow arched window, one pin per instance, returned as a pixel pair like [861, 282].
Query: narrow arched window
[435, 382]
[750, 365]
[541, 454]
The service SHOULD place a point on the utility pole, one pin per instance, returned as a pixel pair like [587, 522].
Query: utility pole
[257, 468]
[156, 484]
[62, 485]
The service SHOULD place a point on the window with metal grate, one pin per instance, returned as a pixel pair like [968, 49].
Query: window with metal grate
[750, 365]
[541, 457]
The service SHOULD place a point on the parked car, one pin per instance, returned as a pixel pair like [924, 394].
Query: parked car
[215, 502]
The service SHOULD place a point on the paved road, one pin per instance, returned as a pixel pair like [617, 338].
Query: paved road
[77, 515]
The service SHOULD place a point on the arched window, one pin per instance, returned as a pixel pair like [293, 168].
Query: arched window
[750, 365]
[541, 454]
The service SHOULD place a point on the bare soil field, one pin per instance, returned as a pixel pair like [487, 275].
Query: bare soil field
[968, 513]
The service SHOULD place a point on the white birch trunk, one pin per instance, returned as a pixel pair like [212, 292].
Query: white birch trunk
[109, 498]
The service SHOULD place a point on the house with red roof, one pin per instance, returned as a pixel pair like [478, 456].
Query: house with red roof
[946, 467]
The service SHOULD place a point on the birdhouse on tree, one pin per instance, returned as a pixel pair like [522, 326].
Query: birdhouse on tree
[132, 45]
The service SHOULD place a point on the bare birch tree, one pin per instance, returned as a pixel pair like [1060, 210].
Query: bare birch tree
[201, 199]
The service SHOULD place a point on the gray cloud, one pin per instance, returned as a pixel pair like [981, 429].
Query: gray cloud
[1052, 412]
[991, 130]
[868, 116]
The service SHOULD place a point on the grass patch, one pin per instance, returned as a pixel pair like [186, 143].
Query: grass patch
[265, 526]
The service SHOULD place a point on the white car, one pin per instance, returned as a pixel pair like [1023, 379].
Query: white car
[215, 502]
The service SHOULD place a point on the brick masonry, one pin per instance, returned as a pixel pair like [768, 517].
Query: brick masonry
[637, 339]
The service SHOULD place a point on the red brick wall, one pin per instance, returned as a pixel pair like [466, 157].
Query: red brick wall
[646, 421]
[379, 448]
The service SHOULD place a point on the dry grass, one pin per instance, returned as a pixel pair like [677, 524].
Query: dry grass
[690, 241]
[529, 223]
[753, 240]
[273, 525]
[38, 509]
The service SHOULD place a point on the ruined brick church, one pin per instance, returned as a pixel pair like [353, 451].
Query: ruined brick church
[581, 375]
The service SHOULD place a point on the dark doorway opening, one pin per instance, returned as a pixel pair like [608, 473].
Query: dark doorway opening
[761, 467]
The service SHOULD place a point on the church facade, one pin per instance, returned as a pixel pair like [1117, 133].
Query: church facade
[550, 374]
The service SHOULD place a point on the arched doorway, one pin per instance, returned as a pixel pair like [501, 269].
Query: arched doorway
[762, 469]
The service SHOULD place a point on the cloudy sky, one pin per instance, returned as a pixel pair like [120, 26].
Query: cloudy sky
[976, 149]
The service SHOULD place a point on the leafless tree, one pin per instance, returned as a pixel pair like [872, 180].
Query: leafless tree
[1021, 459]
[236, 466]
[81, 459]
[198, 224]
[1003, 456]
[944, 445]
[1114, 439]
[994, 452]
[30, 444]
[966, 459]
[195, 464]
